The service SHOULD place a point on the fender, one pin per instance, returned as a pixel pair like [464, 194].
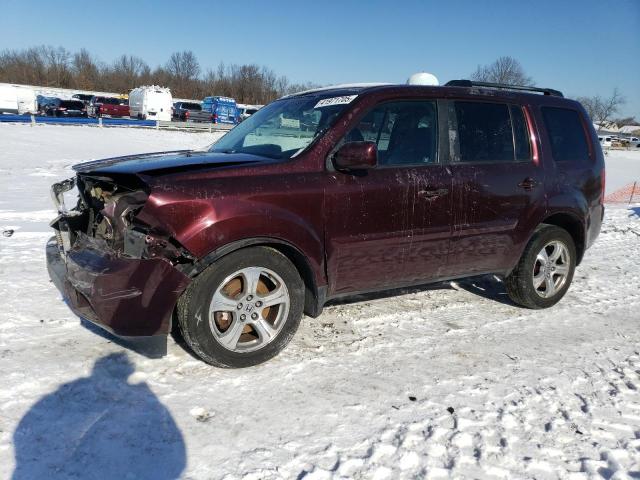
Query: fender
[210, 230]
[576, 226]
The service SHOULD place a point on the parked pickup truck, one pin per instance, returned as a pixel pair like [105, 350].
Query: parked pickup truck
[185, 111]
[114, 107]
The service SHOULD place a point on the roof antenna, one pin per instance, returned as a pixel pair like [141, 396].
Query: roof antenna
[423, 78]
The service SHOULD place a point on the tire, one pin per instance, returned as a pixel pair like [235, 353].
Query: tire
[539, 280]
[243, 331]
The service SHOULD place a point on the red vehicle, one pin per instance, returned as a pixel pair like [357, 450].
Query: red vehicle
[391, 186]
[109, 106]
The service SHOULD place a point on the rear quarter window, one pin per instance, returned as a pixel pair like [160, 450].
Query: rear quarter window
[566, 134]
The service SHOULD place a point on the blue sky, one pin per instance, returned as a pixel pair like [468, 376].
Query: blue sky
[582, 47]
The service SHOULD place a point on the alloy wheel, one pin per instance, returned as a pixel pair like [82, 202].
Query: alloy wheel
[551, 269]
[249, 309]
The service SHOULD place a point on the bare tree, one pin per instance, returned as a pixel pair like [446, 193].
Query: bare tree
[184, 69]
[183, 65]
[601, 110]
[86, 71]
[58, 66]
[125, 73]
[506, 70]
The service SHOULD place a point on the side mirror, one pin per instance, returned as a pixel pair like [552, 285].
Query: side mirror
[356, 156]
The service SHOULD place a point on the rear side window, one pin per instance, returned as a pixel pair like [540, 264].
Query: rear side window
[568, 141]
[484, 131]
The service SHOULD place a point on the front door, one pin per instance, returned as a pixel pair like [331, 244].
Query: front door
[390, 226]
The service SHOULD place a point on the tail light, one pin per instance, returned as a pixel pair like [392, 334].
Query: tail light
[186, 114]
[215, 118]
[211, 118]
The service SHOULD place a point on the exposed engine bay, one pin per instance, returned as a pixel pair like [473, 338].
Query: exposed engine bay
[105, 215]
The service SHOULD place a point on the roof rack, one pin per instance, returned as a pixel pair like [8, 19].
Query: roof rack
[502, 86]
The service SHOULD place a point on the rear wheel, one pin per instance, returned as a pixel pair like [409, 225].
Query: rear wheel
[545, 270]
[243, 309]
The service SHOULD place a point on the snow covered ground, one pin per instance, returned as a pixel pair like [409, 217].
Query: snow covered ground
[450, 381]
[623, 168]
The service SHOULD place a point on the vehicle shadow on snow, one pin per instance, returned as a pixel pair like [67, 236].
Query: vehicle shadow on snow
[485, 286]
[99, 427]
[150, 347]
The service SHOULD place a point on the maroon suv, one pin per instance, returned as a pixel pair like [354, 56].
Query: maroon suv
[330, 193]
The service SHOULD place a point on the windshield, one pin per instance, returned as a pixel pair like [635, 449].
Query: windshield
[285, 127]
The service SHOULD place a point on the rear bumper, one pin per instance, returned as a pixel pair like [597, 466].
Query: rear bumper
[126, 296]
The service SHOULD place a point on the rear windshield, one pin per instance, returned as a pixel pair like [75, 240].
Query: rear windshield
[191, 106]
[567, 135]
[72, 104]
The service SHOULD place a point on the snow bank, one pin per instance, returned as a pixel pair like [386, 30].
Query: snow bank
[447, 381]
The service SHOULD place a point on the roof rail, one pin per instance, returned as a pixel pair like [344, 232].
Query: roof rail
[502, 86]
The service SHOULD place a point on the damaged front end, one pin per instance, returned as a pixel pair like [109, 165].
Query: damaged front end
[112, 268]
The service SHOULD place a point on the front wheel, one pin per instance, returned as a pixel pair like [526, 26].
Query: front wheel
[244, 309]
[545, 270]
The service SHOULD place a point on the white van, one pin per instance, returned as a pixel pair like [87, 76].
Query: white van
[150, 103]
[605, 142]
[17, 99]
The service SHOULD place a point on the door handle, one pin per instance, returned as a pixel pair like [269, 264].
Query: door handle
[528, 184]
[436, 192]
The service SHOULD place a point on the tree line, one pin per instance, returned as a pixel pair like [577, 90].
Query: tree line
[58, 67]
[249, 83]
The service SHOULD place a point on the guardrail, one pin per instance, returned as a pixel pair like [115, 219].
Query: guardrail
[115, 122]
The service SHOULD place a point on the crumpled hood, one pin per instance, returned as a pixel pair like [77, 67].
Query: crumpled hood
[166, 162]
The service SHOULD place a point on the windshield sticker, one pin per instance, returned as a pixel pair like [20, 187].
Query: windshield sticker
[327, 102]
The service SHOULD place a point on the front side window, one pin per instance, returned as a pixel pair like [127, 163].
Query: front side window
[484, 131]
[285, 127]
[568, 141]
[405, 132]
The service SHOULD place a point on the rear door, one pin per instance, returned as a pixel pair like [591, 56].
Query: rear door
[390, 226]
[499, 186]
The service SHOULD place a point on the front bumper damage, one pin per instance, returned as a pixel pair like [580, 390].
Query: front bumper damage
[119, 290]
